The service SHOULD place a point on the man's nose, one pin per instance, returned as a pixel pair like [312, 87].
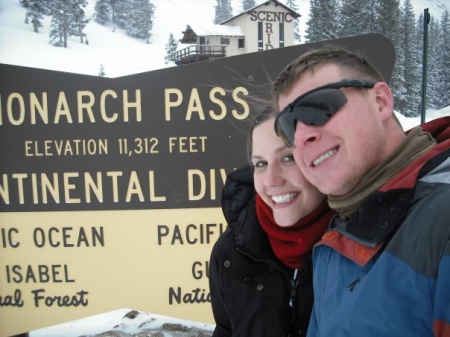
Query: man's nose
[306, 135]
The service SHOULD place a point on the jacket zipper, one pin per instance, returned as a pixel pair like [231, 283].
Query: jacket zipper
[294, 284]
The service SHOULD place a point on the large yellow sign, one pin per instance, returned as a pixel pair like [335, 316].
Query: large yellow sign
[66, 265]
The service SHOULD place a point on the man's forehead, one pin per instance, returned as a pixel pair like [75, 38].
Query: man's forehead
[313, 78]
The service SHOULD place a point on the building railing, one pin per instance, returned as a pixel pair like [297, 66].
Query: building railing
[197, 53]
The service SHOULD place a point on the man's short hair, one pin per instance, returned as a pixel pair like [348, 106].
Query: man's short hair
[352, 64]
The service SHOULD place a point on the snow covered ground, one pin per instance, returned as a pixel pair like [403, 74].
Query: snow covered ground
[431, 114]
[127, 322]
[118, 53]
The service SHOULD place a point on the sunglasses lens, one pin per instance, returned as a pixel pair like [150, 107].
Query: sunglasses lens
[285, 131]
[313, 109]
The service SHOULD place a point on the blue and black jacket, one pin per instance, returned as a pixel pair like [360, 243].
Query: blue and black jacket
[386, 270]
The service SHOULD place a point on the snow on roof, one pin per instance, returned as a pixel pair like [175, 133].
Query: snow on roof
[216, 30]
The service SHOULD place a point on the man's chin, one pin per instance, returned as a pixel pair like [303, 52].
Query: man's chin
[331, 189]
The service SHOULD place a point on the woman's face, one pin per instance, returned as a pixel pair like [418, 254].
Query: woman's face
[278, 179]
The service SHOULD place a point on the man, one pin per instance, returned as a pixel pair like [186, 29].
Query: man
[383, 267]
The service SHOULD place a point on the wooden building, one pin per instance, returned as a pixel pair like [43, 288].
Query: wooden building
[266, 26]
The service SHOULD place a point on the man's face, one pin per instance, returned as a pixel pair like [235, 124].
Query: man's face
[336, 155]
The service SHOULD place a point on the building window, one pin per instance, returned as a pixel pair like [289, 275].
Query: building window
[241, 43]
[281, 34]
[260, 35]
[224, 40]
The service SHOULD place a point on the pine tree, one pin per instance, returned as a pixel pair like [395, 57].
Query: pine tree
[101, 72]
[79, 19]
[171, 48]
[223, 11]
[361, 9]
[322, 23]
[113, 5]
[410, 106]
[140, 19]
[102, 11]
[292, 5]
[443, 61]
[388, 24]
[34, 14]
[388, 19]
[47, 6]
[420, 51]
[433, 66]
[121, 10]
[24, 3]
[247, 4]
[62, 19]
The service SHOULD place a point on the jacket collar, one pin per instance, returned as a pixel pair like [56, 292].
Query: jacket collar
[238, 204]
[363, 234]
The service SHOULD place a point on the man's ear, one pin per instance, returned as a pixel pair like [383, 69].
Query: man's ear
[384, 100]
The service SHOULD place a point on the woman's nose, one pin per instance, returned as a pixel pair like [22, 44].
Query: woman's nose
[273, 176]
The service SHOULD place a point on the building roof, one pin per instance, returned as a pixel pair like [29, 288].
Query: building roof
[192, 31]
[277, 3]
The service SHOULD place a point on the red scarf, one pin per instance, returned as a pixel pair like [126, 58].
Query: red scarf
[291, 244]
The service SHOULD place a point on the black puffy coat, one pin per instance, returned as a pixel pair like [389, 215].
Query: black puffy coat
[250, 288]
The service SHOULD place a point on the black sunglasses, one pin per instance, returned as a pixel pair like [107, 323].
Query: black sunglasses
[315, 107]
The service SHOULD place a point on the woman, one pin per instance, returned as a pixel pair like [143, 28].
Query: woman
[260, 269]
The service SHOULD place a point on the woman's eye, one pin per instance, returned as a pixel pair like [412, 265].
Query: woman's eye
[289, 158]
[260, 164]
